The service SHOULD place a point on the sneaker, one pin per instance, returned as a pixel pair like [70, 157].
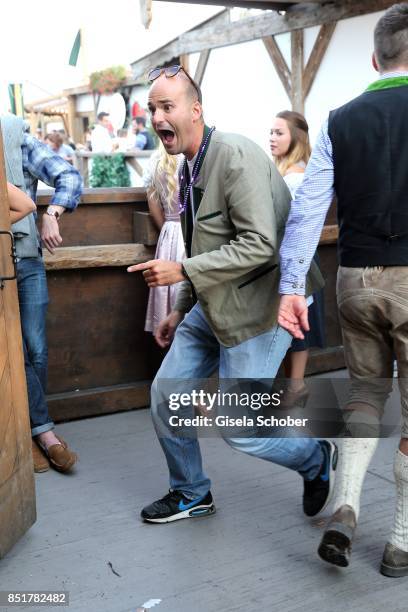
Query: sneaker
[174, 506]
[317, 492]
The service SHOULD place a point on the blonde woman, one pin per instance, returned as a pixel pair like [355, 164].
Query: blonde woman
[161, 182]
[290, 147]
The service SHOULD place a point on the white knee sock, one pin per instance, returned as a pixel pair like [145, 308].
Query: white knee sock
[399, 535]
[354, 458]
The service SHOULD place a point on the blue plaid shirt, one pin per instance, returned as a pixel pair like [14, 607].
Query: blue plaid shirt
[308, 212]
[39, 163]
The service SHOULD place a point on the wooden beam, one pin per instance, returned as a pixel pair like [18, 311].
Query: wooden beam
[146, 12]
[129, 153]
[185, 61]
[100, 400]
[282, 5]
[279, 63]
[329, 235]
[132, 161]
[109, 255]
[325, 360]
[318, 52]
[297, 53]
[144, 229]
[73, 131]
[266, 4]
[100, 195]
[173, 50]
[270, 24]
[201, 66]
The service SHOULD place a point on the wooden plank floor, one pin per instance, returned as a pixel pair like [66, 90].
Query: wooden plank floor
[257, 554]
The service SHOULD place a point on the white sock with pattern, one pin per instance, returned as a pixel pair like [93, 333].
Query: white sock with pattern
[355, 455]
[399, 535]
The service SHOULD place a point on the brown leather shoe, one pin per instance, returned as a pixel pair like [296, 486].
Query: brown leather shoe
[61, 457]
[395, 562]
[335, 547]
[41, 463]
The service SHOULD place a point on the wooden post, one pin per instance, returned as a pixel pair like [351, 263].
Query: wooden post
[72, 123]
[201, 66]
[185, 62]
[318, 52]
[33, 123]
[297, 53]
[279, 63]
[17, 498]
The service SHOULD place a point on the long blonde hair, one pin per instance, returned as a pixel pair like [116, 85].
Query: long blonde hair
[299, 148]
[167, 165]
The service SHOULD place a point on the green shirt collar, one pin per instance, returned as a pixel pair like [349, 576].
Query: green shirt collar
[389, 83]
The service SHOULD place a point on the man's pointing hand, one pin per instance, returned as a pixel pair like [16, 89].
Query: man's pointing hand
[158, 272]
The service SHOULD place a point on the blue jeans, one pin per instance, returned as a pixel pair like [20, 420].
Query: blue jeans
[195, 353]
[33, 300]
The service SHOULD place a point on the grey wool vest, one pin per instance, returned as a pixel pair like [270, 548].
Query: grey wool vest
[25, 231]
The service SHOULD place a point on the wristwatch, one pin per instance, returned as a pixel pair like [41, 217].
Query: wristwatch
[51, 212]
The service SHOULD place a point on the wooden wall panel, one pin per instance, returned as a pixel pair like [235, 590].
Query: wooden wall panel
[101, 223]
[96, 329]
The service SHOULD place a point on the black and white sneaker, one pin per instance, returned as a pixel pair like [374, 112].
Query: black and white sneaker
[317, 492]
[174, 506]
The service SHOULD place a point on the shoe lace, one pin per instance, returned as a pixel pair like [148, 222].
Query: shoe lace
[176, 495]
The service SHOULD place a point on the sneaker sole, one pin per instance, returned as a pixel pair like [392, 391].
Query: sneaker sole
[197, 512]
[335, 548]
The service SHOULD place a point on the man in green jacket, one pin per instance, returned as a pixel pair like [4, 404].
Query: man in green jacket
[234, 206]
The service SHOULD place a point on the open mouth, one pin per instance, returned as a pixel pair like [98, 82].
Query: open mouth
[167, 136]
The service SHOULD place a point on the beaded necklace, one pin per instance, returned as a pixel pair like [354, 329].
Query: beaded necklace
[185, 189]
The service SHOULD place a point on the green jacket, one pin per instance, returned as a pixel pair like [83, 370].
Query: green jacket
[240, 222]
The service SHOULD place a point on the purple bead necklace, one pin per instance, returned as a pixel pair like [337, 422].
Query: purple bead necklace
[182, 200]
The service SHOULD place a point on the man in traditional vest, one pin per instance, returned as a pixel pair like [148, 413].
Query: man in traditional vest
[361, 156]
[234, 205]
[28, 161]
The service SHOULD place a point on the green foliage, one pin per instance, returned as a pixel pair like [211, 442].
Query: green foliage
[109, 171]
[107, 80]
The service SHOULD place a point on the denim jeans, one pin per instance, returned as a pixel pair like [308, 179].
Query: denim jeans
[33, 300]
[195, 353]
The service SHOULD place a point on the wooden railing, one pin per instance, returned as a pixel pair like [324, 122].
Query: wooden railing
[100, 358]
[131, 156]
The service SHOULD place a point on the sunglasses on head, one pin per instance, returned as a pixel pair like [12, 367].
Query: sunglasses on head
[171, 71]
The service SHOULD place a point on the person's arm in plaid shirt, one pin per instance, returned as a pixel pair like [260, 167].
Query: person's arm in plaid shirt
[39, 163]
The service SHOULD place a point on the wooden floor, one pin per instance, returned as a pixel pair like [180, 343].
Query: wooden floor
[257, 554]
